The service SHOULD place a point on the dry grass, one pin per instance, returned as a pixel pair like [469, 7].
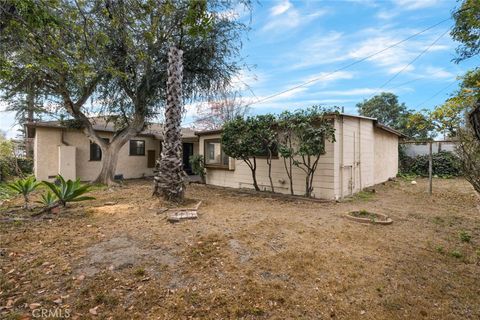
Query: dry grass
[249, 257]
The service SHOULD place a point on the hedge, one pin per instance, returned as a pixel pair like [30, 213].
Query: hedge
[444, 164]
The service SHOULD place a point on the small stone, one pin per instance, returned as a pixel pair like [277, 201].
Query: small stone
[413, 182]
[362, 312]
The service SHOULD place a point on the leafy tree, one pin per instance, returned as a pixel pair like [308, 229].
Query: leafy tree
[265, 126]
[312, 130]
[385, 108]
[239, 140]
[114, 54]
[467, 29]
[418, 125]
[286, 143]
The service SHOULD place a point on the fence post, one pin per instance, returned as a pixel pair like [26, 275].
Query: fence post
[430, 168]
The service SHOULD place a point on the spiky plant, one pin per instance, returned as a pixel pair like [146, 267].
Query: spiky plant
[69, 191]
[48, 199]
[24, 187]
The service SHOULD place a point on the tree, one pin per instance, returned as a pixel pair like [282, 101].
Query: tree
[265, 126]
[285, 138]
[169, 178]
[239, 140]
[418, 125]
[114, 53]
[312, 130]
[385, 108]
[225, 107]
[467, 29]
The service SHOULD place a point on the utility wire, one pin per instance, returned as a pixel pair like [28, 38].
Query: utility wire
[349, 65]
[436, 94]
[410, 63]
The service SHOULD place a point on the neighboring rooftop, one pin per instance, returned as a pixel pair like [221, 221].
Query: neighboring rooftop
[100, 124]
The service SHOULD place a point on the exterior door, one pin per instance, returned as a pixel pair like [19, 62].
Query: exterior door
[151, 159]
[187, 152]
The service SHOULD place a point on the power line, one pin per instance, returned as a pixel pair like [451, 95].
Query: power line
[411, 62]
[436, 94]
[350, 64]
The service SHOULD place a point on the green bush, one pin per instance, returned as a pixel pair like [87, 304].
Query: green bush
[444, 164]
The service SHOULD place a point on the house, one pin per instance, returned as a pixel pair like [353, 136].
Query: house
[67, 151]
[365, 153]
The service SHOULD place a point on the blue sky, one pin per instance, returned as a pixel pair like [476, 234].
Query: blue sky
[291, 42]
[294, 41]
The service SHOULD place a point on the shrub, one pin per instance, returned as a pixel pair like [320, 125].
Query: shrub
[69, 191]
[24, 187]
[198, 165]
[444, 164]
[464, 236]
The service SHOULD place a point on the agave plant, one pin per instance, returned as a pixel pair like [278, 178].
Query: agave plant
[69, 191]
[48, 199]
[24, 187]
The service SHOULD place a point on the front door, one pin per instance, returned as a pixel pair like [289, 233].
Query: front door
[187, 152]
[151, 159]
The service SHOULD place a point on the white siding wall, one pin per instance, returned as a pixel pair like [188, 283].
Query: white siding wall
[241, 176]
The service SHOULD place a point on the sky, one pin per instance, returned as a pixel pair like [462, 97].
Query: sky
[293, 42]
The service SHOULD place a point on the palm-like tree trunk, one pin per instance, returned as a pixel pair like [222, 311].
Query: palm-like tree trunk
[169, 180]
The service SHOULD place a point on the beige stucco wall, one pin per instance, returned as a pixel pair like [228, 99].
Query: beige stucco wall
[386, 155]
[241, 176]
[46, 163]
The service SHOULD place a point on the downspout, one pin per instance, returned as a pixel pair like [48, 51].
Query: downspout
[360, 152]
[62, 139]
[341, 156]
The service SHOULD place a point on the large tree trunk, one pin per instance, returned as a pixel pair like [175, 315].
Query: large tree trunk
[169, 180]
[109, 161]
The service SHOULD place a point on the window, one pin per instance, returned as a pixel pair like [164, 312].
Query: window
[95, 151]
[137, 147]
[214, 156]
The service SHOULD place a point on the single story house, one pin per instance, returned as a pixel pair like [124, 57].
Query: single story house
[365, 153]
[58, 149]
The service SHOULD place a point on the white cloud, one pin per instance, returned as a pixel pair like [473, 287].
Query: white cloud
[284, 16]
[336, 47]
[350, 92]
[438, 73]
[280, 8]
[416, 4]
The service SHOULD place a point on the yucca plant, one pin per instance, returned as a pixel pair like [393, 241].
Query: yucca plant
[24, 187]
[69, 191]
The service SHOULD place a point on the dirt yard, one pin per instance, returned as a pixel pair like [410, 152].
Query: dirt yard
[248, 257]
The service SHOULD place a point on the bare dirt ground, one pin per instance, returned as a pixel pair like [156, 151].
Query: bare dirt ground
[249, 257]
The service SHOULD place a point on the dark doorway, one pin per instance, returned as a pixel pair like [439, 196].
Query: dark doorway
[151, 159]
[187, 152]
